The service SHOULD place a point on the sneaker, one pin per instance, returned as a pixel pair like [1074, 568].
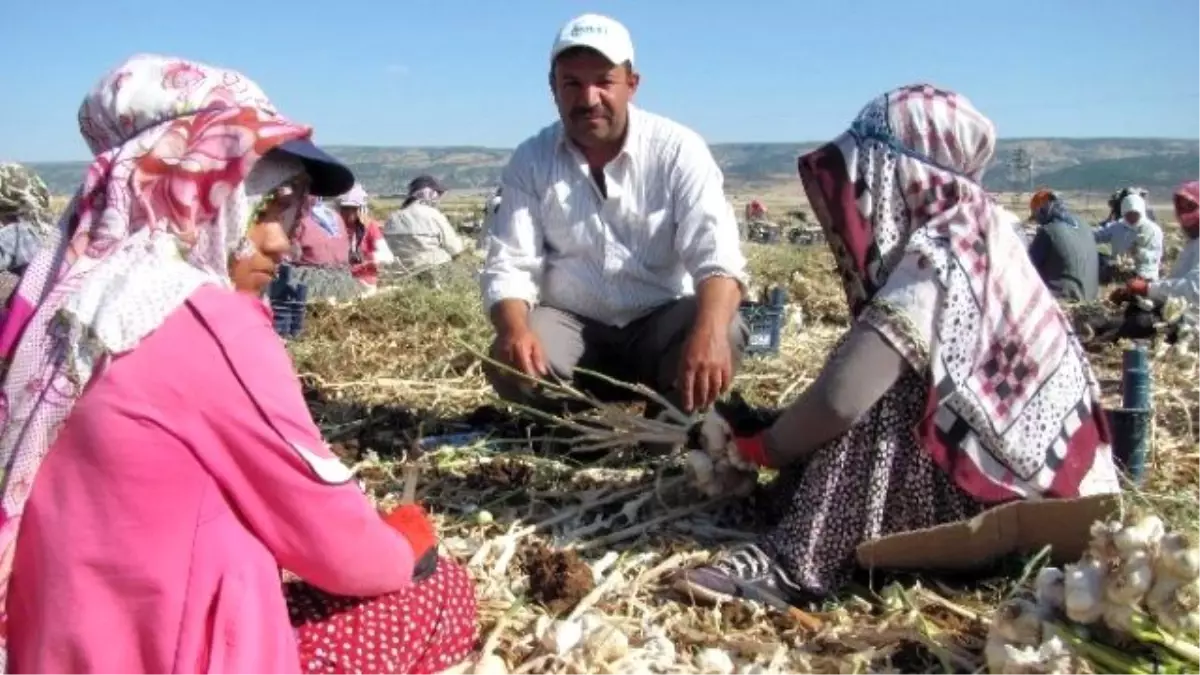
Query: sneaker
[744, 572]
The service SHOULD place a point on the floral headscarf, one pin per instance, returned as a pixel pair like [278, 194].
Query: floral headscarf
[1187, 199]
[1013, 407]
[163, 204]
[23, 195]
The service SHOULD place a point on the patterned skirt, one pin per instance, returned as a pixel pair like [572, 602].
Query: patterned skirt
[425, 628]
[872, 481]
[327, 283]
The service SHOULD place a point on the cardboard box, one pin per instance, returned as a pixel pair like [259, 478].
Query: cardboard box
[1022, 527]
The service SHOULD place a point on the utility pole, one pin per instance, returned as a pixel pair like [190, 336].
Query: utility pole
[1020, 166]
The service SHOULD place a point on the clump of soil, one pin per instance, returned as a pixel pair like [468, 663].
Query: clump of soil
[500, 474]
[557, 579]
[738, 616]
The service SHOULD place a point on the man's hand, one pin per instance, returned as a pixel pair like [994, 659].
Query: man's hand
[707, 368]
[516, 344]
[521, 349]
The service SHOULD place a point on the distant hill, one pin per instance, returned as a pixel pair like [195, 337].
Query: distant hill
[1092, 164]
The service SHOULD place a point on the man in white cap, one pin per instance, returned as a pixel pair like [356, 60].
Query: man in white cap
[614, 248]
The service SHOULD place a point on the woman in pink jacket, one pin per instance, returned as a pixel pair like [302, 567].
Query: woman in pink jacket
[160, 466]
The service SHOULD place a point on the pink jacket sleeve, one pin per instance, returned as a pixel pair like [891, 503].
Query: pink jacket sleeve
[270, 461]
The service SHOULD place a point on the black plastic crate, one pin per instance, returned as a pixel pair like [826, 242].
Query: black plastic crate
[764, 322]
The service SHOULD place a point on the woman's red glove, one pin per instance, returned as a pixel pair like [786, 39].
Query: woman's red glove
[753, 449]
[411, 521]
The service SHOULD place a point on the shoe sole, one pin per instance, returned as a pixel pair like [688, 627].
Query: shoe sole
[747, 592]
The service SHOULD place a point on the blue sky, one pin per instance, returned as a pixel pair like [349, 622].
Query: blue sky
[474, 73]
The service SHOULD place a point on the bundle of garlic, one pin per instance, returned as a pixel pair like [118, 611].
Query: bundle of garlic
[720, 469]
[1136, 584]
[719, 477]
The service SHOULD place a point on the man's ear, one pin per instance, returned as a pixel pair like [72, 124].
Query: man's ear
[634, 78]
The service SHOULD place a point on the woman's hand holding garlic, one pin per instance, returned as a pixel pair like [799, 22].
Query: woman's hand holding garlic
[725, 463]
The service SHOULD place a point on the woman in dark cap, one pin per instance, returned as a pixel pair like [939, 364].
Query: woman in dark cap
[419, 234]
[178, 469]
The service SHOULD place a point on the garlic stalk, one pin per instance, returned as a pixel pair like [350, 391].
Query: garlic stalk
[1145, 630]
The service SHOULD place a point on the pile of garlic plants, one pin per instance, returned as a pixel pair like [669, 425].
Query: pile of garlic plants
[1131, 604]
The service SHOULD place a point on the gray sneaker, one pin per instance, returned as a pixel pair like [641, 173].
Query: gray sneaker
[744, 572]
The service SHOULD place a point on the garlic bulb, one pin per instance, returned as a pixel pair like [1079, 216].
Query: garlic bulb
[1083, 583]
[700, 467]
[1051, 590]
[995, 652]
[604, 641]
[1022, 660]
[1179, 556]
[1162, 594]
[1102, 545]
[660, 651]
[563, 636]
[490, 664]
[1128, 578]
[1119, 616]
[1144, 535]
[713, 660]
[715, 433]
[1017, 621]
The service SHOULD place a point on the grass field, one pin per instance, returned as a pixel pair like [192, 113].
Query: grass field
[547, 537]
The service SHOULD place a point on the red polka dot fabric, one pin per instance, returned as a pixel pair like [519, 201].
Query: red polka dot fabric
[426, 628]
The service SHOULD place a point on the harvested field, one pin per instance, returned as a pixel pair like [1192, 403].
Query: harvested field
[550, 537]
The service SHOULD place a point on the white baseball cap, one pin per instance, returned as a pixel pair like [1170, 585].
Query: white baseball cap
[597, 32]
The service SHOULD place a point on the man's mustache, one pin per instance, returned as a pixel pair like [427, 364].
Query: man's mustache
[583, 113]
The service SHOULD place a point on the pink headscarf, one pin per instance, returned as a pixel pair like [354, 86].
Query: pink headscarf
[163, 205]
[1187, 195]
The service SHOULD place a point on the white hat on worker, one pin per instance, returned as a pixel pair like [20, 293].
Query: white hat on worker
[356, 197]
[1133, 202]
[597, 32]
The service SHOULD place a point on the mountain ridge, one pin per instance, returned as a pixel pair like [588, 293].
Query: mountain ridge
[1079, 164]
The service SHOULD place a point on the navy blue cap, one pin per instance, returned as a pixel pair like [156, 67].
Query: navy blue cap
[330, 177]
[425, 181]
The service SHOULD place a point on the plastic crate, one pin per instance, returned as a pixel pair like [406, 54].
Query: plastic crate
[288, 301]
[288, 317]
[764, 322]
[1130, 440]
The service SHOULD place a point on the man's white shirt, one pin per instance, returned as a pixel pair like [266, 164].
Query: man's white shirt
[664, 226]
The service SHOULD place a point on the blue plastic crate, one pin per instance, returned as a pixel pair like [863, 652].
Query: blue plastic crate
[288, 317]
[765, 326]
